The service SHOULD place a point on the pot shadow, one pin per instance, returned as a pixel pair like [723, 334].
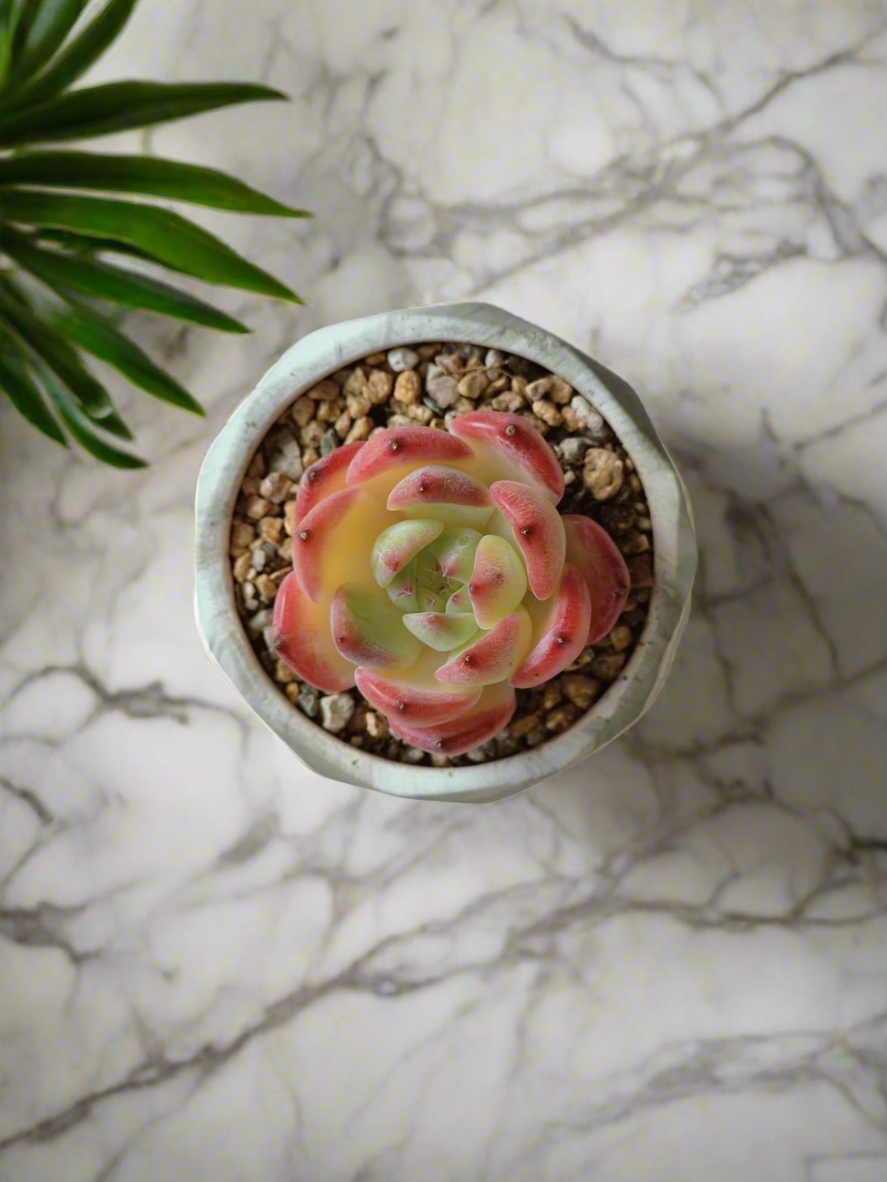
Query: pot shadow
[765, 752]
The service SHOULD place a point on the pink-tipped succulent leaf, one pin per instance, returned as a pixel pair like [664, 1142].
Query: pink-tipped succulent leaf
[508, 448]
[403, 589]
[414, 698]
[389, 456]
[369, 630]
[398, 545]
[302, 638]
[333, 544]
[494, 656]
[479, 723]
[444, 493]
[561, 626]
[538, 530]
[325, 477]
[498, 580]
[595, 555]
[459, 603]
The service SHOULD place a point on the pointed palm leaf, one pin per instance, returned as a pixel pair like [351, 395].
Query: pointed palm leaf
[140, 174]
[65, 274]
[23, 393]
[162, 235]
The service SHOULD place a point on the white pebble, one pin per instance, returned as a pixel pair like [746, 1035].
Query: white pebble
[572, 449]
[276, 485]
[284, 454]
[260, 620]
[586, 414]
[493, 357]
[336, 711]
[441, 387]
[402, 358]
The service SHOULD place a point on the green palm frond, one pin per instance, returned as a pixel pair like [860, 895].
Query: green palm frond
[59, 295]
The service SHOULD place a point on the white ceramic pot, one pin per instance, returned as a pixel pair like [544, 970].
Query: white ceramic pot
[329, 349]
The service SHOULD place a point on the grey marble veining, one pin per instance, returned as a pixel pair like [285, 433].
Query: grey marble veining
[669, 962]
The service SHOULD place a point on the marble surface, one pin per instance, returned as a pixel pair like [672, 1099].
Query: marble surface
[667, 964]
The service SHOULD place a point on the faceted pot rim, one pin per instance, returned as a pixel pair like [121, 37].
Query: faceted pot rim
[329, 349]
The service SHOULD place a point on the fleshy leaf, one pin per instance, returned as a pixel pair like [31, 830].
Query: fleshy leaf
[494, 657]
[492, 712]
[459, 603]
[560, 627]
[394, 548]
[445, 493]
[368, 630]
[508, 448]
[441, 631]
[428, 600]
[595, 555]
[325, 477]
[332, 544]
[415, 697]
[383, 461]
[538, 530]
[498, 581]
[304, 641]
[455, 550]
[402, 589]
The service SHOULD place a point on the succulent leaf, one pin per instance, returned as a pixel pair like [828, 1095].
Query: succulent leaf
[455, 550]
[459, 603]
[414, 697]
[478, 724]
[538, 530]
[441, 631]
[400, 542]
[444, 493]
[389, 456]
[303, 639]
[507, 447]
[402, 590]
[498, 581]
[325, 477]
[369, 630]
[595, 555]
[333, 544]
[560, 627]
[494, 657]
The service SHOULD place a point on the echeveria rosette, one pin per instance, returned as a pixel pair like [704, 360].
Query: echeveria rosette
[433, 570]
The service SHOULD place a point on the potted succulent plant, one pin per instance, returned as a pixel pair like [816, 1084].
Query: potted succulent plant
[440, 574]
